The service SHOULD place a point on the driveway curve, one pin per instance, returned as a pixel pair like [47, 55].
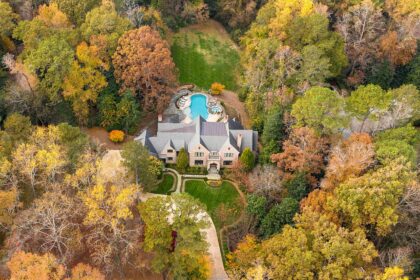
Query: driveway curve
[111, 168]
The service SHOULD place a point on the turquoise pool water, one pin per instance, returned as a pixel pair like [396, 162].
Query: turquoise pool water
[199, 106]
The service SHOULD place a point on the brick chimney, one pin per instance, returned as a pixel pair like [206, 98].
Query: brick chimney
[239, 141]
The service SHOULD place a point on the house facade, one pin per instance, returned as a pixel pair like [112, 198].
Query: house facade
[208, 144]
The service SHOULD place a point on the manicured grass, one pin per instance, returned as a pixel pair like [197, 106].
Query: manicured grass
[203, 59]
[214, 197]
[166, 185]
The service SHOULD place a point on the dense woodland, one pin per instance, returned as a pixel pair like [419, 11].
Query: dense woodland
[332, 87]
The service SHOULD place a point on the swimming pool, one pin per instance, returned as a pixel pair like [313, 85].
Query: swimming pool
[199, 106]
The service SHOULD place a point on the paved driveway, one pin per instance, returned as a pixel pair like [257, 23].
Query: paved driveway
[112, 169]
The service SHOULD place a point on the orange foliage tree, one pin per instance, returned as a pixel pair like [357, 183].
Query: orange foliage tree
[304, 151]
[35, 267]
[85, 272]
[350, 158]
[217, 88]
[143, 64]
[398, 52]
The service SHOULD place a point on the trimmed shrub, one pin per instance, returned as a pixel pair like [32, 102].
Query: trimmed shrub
[116, 136]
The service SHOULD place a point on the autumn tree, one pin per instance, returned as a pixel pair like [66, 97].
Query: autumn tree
[395, 143]
[84, 80]
[18, 127]
[48, 22]
[304, 152]
[50, 225]
[362, 44]
[237, 14]
[144, 46]
[371, 200]
[86, 170]
[8, 21]
[76, 10]
[349, 158]
[264, 180]
[31, 266]
[85, 272]
[103, 26]
[316, 247]
[9, 205]
[405, 14]
[42, 160]
[395, 50]
[406, 233]
[174, 234]
[312, 32]
[321, 109]
[114, 231]
[243, 262]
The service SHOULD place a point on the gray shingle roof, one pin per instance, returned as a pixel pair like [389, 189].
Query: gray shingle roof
[213, 135]
[213, 129]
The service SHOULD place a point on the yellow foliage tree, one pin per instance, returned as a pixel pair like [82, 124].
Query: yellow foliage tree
[84, 81]
[288, 10]
[52, 17]
[109, 205]
[9, 201]
[392, 273]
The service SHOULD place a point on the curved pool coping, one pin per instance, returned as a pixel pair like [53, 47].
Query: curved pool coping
[210, 118]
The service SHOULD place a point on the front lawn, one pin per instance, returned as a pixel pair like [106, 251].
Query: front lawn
[203, 58]
[165, 185]
[223, 203]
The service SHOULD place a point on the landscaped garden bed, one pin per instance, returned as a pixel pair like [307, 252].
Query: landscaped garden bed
[166, 185]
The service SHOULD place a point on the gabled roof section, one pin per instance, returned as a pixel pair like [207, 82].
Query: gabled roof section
[247, 139]
[230, 142]
[213, 129]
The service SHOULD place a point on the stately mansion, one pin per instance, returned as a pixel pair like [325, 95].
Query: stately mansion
[209, 144]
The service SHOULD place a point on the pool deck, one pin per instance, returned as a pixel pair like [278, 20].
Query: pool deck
[184, 109]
